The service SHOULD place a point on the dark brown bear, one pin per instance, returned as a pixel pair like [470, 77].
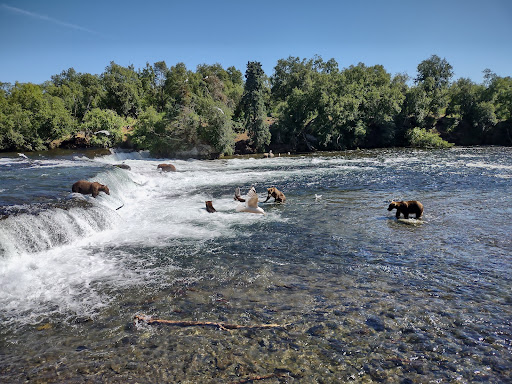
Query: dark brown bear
[209, 206]
[166, 167]
[276, 194]
[89, 188]
[406, 208]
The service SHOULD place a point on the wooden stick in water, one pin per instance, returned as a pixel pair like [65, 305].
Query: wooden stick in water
[184, 323]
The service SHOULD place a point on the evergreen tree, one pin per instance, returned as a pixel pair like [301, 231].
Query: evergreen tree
[252, 106]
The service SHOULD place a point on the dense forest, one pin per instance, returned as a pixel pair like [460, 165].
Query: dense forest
[305, 105]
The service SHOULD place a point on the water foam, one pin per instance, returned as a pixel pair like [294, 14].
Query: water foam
[63, 280]
[61, 261]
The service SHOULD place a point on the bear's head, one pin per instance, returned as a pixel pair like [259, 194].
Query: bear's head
[393, 205]
[104, 188]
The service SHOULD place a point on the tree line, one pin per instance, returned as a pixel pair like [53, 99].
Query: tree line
[305, 105]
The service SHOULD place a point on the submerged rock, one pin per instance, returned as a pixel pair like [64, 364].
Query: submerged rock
[376, 323]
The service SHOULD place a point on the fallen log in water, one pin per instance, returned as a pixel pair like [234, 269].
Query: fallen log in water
[181, 323]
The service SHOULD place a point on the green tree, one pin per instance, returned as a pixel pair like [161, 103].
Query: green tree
[16, 131]
[234, 87]
[216, 128]
[149, 131]
[296, 96]
[67, 87]
[253, 106]
[500, 94]
[161, 73]
[434, 76]
[178, 88]
[475, 114]
[148, 92]
[295, 72]
[79, 92]
[35, 119]
[329, 109]
[123, 90]
[163, 136]
[92, 93]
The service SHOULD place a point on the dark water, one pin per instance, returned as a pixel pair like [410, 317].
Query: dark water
[361, 296]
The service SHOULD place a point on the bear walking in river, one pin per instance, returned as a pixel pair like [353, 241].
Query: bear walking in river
[406, 208]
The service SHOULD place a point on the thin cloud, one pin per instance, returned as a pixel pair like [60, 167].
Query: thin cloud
[46, 18]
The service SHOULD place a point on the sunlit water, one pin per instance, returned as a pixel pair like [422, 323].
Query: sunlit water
[361, 296]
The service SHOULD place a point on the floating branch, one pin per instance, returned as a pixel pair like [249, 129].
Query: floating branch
[223, 326]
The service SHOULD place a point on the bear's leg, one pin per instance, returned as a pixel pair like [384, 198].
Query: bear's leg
[397, 214]
[406, 215]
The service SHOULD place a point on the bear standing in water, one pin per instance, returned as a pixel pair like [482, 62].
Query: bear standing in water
[406, 208]
[89, 188]
[276, 194]
[166, 167]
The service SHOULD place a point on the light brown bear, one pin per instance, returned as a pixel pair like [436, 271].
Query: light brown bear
[166, 167]
[276, 194]
[406, 208]
[89, 188]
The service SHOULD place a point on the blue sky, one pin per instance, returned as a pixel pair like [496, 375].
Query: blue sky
[39, 39]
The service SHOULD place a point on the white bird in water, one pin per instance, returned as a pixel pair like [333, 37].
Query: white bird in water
[251, 203]
[23, 155]
[317, 196]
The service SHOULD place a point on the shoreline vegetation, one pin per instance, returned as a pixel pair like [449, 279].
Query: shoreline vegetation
[306, 105]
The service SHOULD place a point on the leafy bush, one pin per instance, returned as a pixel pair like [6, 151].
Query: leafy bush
[103, 126]
[163, 136]
[423, 138]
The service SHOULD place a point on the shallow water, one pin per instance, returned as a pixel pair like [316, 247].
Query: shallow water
[361, 296]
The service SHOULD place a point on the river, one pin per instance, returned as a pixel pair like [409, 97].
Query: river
[357, 295]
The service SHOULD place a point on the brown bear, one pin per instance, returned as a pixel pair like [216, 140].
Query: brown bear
[276, 194]
[166, 167]
[407, 207]
[123, 166]
[89, 188]
[209, 206]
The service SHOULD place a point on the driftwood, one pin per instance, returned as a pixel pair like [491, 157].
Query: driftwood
[255, 378]
[181, 323]
[209, 206]
[237, 195]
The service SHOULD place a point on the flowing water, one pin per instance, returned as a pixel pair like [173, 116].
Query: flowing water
[359, 295]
